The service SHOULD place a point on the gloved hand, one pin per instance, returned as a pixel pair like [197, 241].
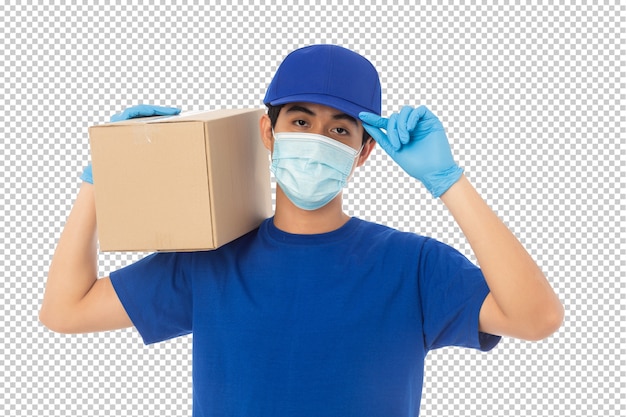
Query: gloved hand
[416, 140]
[144, 110]
[141, 110]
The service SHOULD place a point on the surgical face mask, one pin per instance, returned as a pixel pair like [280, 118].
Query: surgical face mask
[311, 169]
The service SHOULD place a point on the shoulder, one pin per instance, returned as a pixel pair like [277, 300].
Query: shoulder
[425, 249]
[381, 231]
[385, 238]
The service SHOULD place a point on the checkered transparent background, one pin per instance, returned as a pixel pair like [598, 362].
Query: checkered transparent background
[531, 97]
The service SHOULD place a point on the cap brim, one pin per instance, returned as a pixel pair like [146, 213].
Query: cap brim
[345, 106]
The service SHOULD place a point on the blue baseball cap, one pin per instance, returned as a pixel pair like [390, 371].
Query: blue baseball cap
[329, 75]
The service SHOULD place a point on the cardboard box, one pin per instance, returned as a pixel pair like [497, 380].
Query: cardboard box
[181, 183]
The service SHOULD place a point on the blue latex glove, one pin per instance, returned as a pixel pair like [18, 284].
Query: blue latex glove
[141, 110]
[144, 110]
[417, 141]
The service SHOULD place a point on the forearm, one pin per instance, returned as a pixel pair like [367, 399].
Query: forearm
[519, 288]
[73, 270]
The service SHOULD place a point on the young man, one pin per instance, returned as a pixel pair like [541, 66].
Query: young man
[316, 312]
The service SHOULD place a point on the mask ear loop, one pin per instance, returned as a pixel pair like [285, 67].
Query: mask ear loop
[273, 146]
[356, 161]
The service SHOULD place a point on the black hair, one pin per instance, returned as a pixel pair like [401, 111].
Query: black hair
[273, 111]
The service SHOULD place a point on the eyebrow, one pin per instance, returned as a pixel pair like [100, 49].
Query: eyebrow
[339, 116]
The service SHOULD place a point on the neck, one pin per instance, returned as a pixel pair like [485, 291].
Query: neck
[292, 219]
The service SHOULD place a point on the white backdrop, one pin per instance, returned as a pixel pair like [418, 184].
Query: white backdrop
[531, 97]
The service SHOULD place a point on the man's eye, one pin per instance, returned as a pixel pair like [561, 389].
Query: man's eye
[300, 122]
[341, 131]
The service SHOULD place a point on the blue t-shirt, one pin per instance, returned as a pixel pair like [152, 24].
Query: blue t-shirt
[332, 324]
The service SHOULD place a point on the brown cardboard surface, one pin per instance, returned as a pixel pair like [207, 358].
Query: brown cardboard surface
[189, 182]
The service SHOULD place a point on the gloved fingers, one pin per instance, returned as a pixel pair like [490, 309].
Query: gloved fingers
[373, 124]
[128, 113]
[415, 117]
[119, 116]
[378, 135]
[87, 175]
[403, 128]
[392, 132]
[159, 110]
[381, 138]
[144, 110]
[373, 119]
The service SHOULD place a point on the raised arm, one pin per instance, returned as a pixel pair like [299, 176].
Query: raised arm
[75, 300]
[521, 302]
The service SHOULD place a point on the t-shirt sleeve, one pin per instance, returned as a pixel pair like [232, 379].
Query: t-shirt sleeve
[452, 291]
[156, 294]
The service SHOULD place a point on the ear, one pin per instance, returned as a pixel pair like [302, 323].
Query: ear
[366, 151]
[265, 126]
